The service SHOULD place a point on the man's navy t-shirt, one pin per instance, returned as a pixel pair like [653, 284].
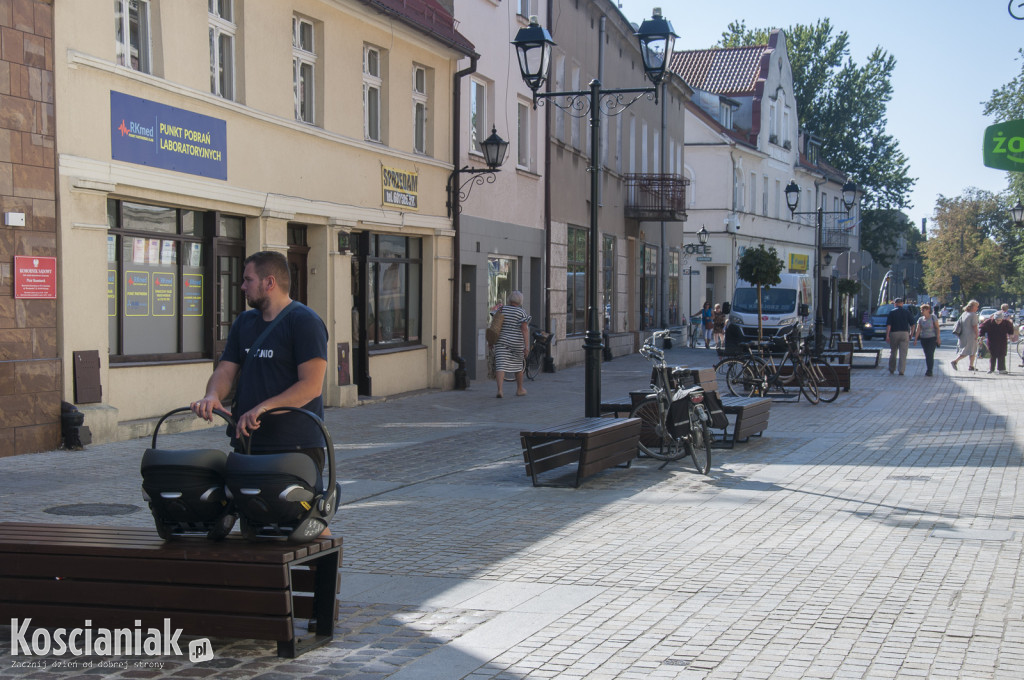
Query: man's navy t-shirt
[299, 337]
[899, 319]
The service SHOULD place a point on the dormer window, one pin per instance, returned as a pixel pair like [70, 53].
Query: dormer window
[725, 115]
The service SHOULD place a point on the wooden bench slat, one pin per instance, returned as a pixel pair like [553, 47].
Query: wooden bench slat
[168, 597]
[592, 443]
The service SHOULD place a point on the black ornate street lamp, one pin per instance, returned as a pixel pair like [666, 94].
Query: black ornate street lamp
[793, 200]
[493, 149]
[533, 46]
[1017, 212]
[702, 235]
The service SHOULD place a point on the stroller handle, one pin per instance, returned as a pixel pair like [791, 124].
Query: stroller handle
[328, 442]
[223, 414]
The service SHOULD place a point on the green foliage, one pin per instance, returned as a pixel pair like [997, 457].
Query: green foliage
[848, 287]
[880, 231]
[1007, 103]
[844, 105]
[964, 244]
[761, 267]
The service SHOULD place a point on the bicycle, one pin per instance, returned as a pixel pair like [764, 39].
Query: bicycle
[539, 350]
[759, 375]
[674, 419]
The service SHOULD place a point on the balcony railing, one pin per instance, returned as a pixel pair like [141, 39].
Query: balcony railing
[835, 239]
[656, 197]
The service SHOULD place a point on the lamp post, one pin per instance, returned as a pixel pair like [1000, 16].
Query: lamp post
[533, 46]
[793, 200]
[494, 149]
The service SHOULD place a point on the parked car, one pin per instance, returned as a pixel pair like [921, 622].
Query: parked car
[985, 313]
[875, 325]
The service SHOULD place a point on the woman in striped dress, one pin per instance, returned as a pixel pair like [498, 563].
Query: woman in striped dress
[513, 343]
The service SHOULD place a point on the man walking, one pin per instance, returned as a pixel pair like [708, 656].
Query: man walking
[897, 334]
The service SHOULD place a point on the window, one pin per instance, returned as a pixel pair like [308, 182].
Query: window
[576, 281]
[131, 30]
[393, 298]
[303, 69]
[526, 8]
[725, 115]
[753, 192]
[773, 122]
[501, 280]
[524, 137]
[764, 197]
[649, 287]
[618, 144]
[222, 48]
[608, 279]
[673, 288]
[158, 292]
[419, 110]
[787, 141]
[372, 99]
[643, 146]
[778, 198]
[477, 115]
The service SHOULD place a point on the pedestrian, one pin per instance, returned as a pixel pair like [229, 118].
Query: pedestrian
[997, 329]
[513, 343]
[897, 335]
[277, 351]
[927, 331]
[707, 323]
[718, 320]
[967, 337]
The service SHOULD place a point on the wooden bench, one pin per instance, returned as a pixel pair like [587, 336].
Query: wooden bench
[856, 348]
[594, 444]
[840, 361]
[59, 575]
[751, 413]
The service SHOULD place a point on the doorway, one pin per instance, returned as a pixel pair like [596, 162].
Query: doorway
[467, 330]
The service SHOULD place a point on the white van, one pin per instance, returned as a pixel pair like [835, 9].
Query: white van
[780, 306]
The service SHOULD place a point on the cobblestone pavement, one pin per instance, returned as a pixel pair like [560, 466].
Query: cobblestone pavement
[876, 537]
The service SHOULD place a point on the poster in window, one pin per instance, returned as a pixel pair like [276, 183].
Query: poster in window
[192, 295]
[136, 293]
[154, 251]
[167, 253]
[195, 255]
[139, 251]
[111, 248]
[111, 292]
[163, 294]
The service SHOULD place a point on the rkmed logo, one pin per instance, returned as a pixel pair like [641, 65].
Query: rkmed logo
[89, 641]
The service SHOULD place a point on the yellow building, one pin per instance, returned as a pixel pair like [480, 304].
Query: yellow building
[193, 132]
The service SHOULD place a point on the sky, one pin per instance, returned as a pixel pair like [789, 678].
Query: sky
[950, 56]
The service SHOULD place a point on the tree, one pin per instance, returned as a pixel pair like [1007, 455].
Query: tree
[847, 288]
[762, 268]
[880, 231]
[844, 105]
[962, 249]
[1007, 103]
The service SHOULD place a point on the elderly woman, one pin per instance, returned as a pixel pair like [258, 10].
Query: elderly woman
[513, 343]
[967, 340]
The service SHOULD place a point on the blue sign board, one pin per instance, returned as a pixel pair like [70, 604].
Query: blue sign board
[161, 136]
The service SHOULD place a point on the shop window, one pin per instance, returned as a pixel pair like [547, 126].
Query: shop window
[576, 281]
[502, 275]
[649, 287]
[608, 278]
[393, 294]
[673, 288]
[158, 281]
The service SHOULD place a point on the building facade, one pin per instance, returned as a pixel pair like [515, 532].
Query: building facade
[743, 147]
[30, 362]
[191, 133]
[499, 218]
[641, 192]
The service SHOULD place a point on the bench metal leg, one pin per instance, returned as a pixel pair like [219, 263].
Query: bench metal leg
[324, 595]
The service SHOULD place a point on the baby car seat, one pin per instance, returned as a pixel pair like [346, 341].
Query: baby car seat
[185, 488]
[283, 494]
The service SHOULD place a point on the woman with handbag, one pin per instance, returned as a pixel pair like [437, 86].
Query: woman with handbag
[513, 343]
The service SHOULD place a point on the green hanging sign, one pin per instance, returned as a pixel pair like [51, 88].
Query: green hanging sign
[1003, 148]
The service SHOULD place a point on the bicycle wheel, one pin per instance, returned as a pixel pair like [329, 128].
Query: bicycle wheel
[1020, 350]
[747, 378]
[533, 364]
[828, 382]
[726, 367]
[655, 441]
[698, 444]
[808, 385]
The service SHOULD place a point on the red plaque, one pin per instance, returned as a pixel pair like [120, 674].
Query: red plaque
[35, 278]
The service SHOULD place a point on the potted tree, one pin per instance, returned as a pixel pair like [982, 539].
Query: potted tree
[760, 267]
[846, 288]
